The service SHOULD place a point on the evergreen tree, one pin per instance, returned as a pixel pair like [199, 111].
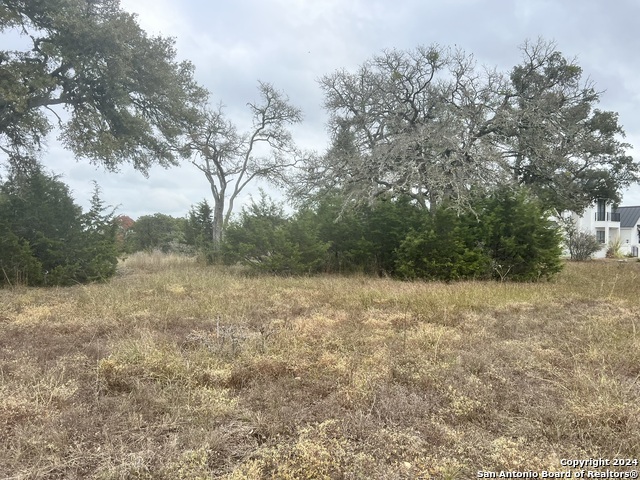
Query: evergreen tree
[517, 234]
[387, 223]
[99, 249]
[365, 238]
[17, 263]
[48, 240]
[310, 251]
[198, 230]
[265, 239]
[443, 249]
[508, 238]
[343, 229]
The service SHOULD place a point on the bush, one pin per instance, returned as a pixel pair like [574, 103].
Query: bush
[518, 236]
[48, 240]
[509, 237]
[582, 245]
[442, 250]
[18, 266]
[198, 233]
[364, 238]
[614, 249]
[265, 239]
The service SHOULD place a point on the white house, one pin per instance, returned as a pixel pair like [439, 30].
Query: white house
[629, 230]
[610, 224]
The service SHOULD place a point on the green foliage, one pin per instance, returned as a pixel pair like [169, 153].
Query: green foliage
[127, 97]
[364, 238]
[303, 233]
[157, 232]
[199, 225]
[517, 235]
[344, 230]
[265, 239]
[510, 237]
[387, 223]
[18, 266]
[49, 240]
[99, 250]
[198, 230]
[443, 249]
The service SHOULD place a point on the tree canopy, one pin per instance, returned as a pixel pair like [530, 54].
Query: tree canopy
[126, 96]
[431, 124]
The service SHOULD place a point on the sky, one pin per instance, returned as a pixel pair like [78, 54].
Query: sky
[292, 43]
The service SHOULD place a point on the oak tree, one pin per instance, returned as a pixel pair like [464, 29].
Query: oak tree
[431, 124]
[554, 138]
[408, 123]
[231, 160]
[126, 96]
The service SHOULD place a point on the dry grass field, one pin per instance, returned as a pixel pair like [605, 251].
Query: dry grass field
[174, 370]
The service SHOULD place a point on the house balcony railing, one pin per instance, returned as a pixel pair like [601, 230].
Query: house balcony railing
[607, 216]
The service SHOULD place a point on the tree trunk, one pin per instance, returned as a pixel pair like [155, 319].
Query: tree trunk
[218, 224]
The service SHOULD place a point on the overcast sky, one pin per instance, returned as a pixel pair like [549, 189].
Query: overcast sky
[291, 43]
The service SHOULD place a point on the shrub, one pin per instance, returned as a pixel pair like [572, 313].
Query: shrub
[364, 238]
[18, 266]
[518, 236]
[48, 239]
[509, 237]
[265, 239]
[614, 249]
[198, 233]
[582, 245]
[442, 250]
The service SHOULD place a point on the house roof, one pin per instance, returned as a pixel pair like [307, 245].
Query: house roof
[628, 216]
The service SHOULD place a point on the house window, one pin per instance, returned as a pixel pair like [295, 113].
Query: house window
[601, 208]
[600, 236]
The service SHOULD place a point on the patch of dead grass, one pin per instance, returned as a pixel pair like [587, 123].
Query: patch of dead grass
[176, 370]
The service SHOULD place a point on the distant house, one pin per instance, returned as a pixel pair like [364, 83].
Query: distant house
[602, 221]
[610, 224]
[629, 229]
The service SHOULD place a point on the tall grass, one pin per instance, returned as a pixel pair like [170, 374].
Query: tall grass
[178, 370]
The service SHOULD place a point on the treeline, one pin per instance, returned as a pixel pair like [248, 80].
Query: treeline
[507, 237]
[440, 153]
[48, 240]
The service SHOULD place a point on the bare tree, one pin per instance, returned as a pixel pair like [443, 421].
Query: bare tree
[231, 160]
